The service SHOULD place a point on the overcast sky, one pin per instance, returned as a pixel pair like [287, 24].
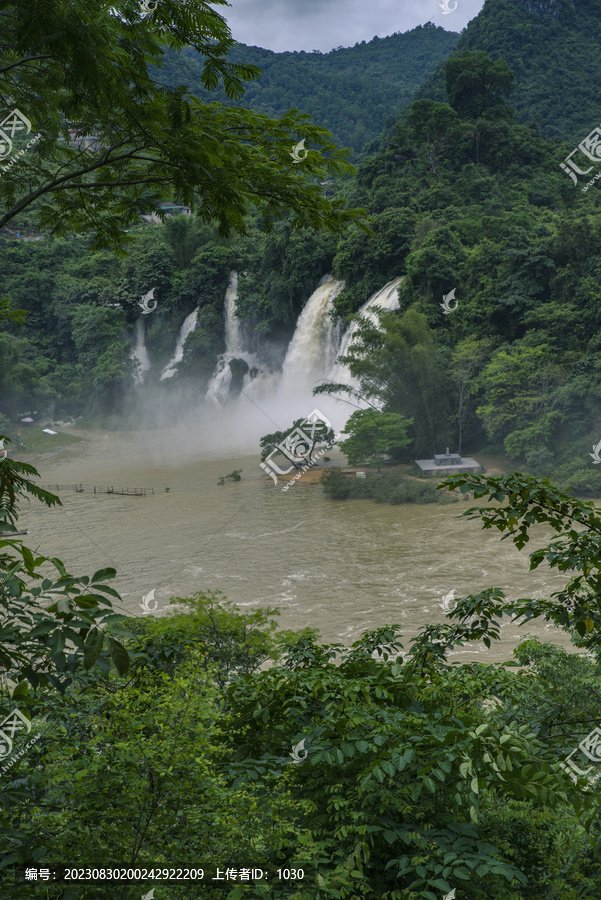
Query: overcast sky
[325, 24]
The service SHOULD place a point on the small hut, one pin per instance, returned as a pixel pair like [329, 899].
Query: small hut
[447, 464]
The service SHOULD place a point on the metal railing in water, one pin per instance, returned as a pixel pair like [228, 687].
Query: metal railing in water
[95, 489]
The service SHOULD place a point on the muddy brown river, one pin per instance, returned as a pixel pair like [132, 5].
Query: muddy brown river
[340, 566]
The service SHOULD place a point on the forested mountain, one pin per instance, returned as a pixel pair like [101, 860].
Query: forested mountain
[462, 196]
[350, 90]
[149, 745]
[554, 49]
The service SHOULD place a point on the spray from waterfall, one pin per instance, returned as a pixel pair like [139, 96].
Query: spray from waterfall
[273, 400]
[241, 407]
[270, 396]
[139, 352]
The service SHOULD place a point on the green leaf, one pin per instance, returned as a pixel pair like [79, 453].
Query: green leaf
[92, 647]
[119, 656]
[103, 575]
[21, 691]
[86, 601]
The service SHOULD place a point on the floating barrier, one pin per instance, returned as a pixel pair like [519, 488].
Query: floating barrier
[94, 489]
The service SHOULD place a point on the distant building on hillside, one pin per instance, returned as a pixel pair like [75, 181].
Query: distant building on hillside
[83, 141]
[447, 464]
[170, 209]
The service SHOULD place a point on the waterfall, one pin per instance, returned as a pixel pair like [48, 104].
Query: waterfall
[139, 352]
[253, 392]
[219, 386]
[232, 322]
[386, 298]
[218, 390]
[238, 366]
[313, 349]
[187, 328]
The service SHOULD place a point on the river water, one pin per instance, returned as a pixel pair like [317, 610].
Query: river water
[340, 566]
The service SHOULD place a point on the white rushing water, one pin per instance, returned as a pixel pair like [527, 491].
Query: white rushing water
[278, 398]
[313, 349]
[187, 328]
[139, 351]
[219, 385]
[218, 390]
[387, 298]
[244, 405]
[233, 343]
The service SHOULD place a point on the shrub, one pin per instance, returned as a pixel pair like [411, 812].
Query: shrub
[390, 487]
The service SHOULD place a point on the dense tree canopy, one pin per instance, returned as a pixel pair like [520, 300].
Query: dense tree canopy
[478, 205]
[113, 143]
[209, 737]
[553, 50]
[405, 781]
[352, 91]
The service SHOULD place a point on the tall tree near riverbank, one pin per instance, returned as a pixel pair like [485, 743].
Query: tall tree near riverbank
[372, 434]
[467, 360]
[521, 393]
[400, 368]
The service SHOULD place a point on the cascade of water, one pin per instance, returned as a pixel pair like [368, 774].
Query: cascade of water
[314, 346]
[219, 386]
[187, 328]
[386, 298]
[232, 322]
[279, 398]
[237, 367]
[139, 352]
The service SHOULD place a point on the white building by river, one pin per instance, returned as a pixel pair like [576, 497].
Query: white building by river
[447, 464]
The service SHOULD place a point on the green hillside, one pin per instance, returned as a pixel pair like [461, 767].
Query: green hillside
[350, 90]
[554, 49]
[154, 744]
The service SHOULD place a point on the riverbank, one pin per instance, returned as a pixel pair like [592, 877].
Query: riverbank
[38, 443]
[493, 465]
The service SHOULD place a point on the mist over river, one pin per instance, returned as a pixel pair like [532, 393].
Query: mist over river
[340, 566]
